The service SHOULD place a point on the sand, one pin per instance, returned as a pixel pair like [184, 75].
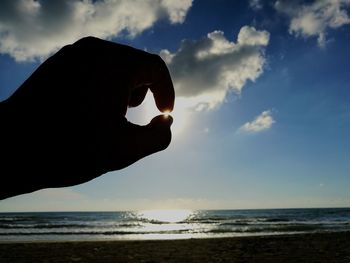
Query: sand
[327, 247]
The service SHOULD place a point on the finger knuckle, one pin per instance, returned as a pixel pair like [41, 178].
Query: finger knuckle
[89, 40]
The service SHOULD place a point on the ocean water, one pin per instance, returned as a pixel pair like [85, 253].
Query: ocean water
[168, 224]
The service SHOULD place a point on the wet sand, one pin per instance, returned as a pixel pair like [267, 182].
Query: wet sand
[327, 247]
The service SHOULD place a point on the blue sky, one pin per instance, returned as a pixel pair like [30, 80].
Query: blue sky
[268, 127]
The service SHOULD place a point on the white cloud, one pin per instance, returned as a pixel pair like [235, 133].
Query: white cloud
[32, 29]
[255, 4]
[205, 70]
[316, 18]
[262, 122]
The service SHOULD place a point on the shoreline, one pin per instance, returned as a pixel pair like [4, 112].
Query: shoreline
[310, 247]
[176, 239]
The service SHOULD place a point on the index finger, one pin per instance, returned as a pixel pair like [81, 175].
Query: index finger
[161, 85]
[143, 70]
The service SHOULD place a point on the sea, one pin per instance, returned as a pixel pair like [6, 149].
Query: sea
[168, 224]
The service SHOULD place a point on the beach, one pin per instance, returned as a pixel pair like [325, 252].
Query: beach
[318, 247]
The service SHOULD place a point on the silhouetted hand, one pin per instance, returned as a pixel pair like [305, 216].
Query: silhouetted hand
[66, 124]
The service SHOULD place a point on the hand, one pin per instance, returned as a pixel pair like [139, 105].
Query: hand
[66, 124]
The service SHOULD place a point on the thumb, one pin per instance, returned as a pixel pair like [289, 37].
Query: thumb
[154, 137]
[138, 142]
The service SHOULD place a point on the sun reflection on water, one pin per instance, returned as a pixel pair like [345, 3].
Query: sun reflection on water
[166, 224]
[165, 216]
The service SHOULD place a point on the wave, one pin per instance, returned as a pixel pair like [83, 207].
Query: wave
[49, 226]
[218, 231]
[64, 226]
[59, 233]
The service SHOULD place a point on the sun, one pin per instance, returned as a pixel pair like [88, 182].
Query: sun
[148, 110]
[166, 113]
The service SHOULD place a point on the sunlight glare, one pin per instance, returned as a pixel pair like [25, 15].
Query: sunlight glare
[169, 216]
[166, 113]
[148, 110]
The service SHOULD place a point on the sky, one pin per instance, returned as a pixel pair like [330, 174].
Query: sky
[262, 112]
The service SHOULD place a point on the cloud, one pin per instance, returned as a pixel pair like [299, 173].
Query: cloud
[316, 18]
[32, 29]
[205, 70]
[255, 4]
[262, 122]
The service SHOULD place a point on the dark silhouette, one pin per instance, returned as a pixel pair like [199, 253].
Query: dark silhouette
[66, 124]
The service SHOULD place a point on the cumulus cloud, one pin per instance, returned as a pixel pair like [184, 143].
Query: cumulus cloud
[262, 122]
[316, 18]
[255, 4]
[204, 71]
[32, 29]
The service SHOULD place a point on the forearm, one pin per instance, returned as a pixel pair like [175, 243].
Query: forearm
[14, 175]
[38, 150]
[6, 186]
